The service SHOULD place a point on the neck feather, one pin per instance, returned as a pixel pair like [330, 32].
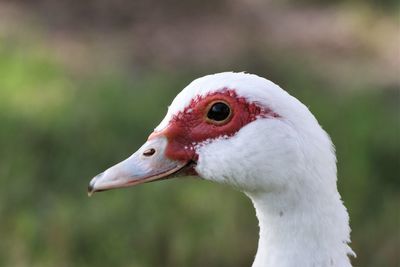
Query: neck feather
[302, 229]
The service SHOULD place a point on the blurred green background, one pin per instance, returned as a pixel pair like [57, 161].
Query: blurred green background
[82, 84]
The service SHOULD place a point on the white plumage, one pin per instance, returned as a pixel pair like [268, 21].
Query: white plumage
[285, 165]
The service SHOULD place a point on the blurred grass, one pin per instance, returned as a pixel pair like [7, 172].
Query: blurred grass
[58, 129]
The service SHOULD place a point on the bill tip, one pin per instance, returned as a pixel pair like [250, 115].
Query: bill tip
[90, 190]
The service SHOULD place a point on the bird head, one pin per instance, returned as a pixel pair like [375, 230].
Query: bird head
[233, 128]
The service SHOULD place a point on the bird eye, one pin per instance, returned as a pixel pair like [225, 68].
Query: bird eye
[219, 112]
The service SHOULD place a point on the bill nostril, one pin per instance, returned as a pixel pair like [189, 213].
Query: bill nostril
[149, 152]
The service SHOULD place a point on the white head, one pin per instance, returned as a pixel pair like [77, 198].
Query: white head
[265, 150]
[245, 131]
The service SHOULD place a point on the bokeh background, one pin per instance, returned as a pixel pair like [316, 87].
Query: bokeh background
[82, 84]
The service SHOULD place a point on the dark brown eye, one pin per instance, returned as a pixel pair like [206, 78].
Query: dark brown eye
[219, 112]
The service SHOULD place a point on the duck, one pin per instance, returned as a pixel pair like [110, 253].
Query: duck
[245, 131]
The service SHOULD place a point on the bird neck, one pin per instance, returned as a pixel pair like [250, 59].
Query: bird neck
[301, 229]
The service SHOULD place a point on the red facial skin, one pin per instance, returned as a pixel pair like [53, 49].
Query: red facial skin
[191, 126]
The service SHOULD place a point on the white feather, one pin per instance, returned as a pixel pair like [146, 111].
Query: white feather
[286, 165]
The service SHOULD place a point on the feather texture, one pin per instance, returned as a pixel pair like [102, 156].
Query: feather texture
[286, 165]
